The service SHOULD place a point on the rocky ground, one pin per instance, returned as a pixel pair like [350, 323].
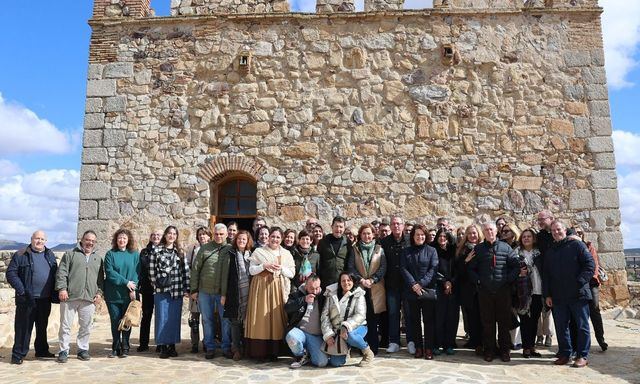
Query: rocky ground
[618, 365]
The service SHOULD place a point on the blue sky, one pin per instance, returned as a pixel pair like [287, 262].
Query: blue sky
[42, 91]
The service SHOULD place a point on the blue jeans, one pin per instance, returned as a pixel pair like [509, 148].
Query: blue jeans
[299, 340]
[577, 311]
[356, 340]
[395, 301]
[207, 304]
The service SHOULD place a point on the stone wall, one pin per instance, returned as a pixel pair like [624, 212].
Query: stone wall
[423, 113]
[208, 7]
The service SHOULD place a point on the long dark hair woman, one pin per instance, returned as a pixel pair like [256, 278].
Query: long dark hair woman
[343, 321]
[368, 266]
[122, 268]
[467, 291]
[529, 288]
[419, 264]
[170, 277]
[235, 306]
[447, 308]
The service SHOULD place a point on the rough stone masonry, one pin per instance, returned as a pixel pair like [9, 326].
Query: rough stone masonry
[471, 109]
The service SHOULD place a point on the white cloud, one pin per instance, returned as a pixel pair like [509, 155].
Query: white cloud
[22, 131]
[625, 145]
[418, 4]
[46, 200]
[621, 31]
[8, 168]
[303, 6]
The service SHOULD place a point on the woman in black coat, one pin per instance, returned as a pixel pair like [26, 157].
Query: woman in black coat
[447, 307]
[418, 266]
[235, 305]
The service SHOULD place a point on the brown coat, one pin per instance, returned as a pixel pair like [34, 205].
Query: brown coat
[376, 272]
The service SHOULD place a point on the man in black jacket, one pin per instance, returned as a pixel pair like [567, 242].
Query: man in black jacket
[31, 273]
[304, 332]
[146, 290]
[335, 251]
[568, 268]
[494, 268]
[394, 286]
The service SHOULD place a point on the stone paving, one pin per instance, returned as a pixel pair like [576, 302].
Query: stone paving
[621, 364]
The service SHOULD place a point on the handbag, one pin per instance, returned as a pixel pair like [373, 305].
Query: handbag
[602, 274]
[428, 294]
[340, 346]
[131, 317]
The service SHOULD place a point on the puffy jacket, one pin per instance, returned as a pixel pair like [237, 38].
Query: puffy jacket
[20, 274]
[333, 312]
[568, 268]
[494, 266]
[82, 279]
[210, 269]
[419, 264]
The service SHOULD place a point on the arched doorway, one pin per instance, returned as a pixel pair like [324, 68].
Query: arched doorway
[233, 185]
[234, 199]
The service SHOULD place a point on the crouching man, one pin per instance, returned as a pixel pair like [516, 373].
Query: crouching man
[304, 335]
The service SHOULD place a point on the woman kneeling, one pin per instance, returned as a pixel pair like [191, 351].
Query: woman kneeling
[344, 321]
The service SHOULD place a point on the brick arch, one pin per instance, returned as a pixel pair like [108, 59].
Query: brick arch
[220, 167]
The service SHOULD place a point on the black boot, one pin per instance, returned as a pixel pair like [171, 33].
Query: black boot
[172, 350]
[164, 352]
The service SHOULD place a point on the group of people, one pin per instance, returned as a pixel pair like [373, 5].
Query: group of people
[322, 294]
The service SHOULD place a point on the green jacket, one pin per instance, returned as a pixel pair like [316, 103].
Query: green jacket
[210, 269]
[120, 268]
[82, 279]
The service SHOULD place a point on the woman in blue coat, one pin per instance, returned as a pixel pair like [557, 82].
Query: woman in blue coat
[418, 265]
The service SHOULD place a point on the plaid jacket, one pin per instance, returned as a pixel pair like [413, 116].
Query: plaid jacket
[166, 262]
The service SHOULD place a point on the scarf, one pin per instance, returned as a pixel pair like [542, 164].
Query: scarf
[305, 266]
[367, 253]
[243, 282]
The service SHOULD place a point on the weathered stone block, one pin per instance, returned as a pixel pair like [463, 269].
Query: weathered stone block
[527, 182]
[610, 242]
[439, 175]
[94, 190]
[100, 227]
[599, 109]
[258, 128]
[604, 179]
[118, 70]
[95, 71]
[88, 172]
[95, 156]
[302, 150]
[94, 120]
[597, 92]
[101, 88]
[92, 138]
[108, 210]
[88, 209]
[577, 58]
[114, 138]
[93, 105]
[580, 199]
[560, 127]
[603, 219]
[292, 213]
[607, 198]
[601, 126]
[360, 175]
[600, 144]
[604, 161]
[115, 104]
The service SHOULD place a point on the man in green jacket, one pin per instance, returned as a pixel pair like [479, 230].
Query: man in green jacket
[209, 275]
[79, 281]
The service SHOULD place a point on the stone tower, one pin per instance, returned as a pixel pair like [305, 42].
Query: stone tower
[232, 108]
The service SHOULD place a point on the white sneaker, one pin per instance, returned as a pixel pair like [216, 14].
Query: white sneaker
[411, 348]
[393, 348]
[304, 360]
